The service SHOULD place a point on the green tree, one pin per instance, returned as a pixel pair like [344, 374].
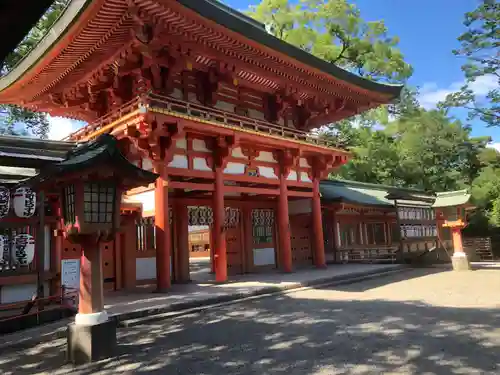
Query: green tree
[480, 46]
[15, 120]
[334, 31]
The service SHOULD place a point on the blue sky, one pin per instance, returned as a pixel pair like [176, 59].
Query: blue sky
[428, 31]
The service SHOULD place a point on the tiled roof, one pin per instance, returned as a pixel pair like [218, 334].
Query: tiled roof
[452, 198]
[373, 194]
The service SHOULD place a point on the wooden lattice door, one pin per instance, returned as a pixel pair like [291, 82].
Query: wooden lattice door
[300, 232]
[234, 246]
[108, 265]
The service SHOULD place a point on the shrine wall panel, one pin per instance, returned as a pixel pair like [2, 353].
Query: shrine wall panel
[300, 206]
[292, 176]
[145, 268]
[237, 153]
[147, 199]
[17, 292]
[235, 168]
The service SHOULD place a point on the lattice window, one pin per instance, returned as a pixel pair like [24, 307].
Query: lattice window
[262, 226]
[99, 201]
[349, 234]
[375, 233]
[146, 234]
[69, 204]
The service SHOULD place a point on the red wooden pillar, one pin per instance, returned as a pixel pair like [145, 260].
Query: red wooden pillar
[182, 234]
[219, 234]
[163, 281]
[285, 249]
[456, 235]
[319, 243]
[91, 299]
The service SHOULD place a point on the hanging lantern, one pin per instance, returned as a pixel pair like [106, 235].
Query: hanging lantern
[24, 202]
[4, 249]
[4, 201]
[23, 249]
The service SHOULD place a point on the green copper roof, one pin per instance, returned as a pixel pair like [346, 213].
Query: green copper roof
[372, 194]
[249, 28]
[220, 14]
[452, 198]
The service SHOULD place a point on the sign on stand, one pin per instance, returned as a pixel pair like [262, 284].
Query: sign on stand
[70, 277]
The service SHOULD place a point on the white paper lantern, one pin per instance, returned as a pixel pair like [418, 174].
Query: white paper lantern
[23, 249]
[24, 202]
[4, 201]
[4, 249]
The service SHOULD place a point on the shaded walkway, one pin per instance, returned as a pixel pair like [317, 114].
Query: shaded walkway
[431, 323]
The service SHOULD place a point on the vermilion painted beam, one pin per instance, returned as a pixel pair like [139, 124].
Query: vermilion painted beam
[251, 190]
[304, 194]
[191, 186]
[218, 228]
[319, 243]
[163, 279]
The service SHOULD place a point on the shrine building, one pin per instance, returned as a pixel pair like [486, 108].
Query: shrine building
[222, 110]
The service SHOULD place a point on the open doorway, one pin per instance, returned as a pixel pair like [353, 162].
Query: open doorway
[199, 252]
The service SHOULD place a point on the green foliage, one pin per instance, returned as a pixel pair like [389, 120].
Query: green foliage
[334, 31]
[480, 45]
[13, 119]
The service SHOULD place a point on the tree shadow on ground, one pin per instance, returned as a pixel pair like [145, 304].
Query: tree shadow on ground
[292, 334]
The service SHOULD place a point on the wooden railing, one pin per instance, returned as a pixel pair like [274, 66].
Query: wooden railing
[175, 106]
[370, 255]
[234, 120]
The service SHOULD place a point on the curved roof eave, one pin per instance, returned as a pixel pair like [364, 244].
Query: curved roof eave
[249, 28]
[60, 27]
[222, 15]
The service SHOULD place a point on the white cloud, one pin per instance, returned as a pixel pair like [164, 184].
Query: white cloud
[431, 94]
[495, 145]
[60, 127]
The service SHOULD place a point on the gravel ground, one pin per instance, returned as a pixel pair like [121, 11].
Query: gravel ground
[419, 322]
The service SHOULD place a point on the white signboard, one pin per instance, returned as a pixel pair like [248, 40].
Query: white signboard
[70, 273]
[70, 276]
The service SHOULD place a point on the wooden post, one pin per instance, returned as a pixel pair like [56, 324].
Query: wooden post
[182, 234]
[219, 233]
[319, 242]
[91, 299]
[285, 244]
[40, 245]
[247, 238]
[163, 279]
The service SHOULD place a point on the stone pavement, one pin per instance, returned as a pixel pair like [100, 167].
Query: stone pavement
[142, 305]
[423, 321]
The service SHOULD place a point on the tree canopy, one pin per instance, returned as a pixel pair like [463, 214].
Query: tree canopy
[15, 120]
[480, 47]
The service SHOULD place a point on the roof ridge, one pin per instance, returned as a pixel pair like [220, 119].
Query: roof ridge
[375, 186]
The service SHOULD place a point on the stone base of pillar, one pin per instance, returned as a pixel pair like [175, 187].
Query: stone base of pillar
[91, 342]
[460, 262]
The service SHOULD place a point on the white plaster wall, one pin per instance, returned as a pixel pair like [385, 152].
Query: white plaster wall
[292, 176]
[17, 293]
[225, 106]
[199, 145]
[267, 172]
[264, 257]
[176, 93]
[147, 164]
[235, 168]
[200, 164]
[181, 143]
[266, 156]
[192, 98]
[237, 153]
[147, 199]
[301, 206]
[303, 163]
[304, 177]
[145, 268]
[179, 161]
[256, 114]
[46, 245]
